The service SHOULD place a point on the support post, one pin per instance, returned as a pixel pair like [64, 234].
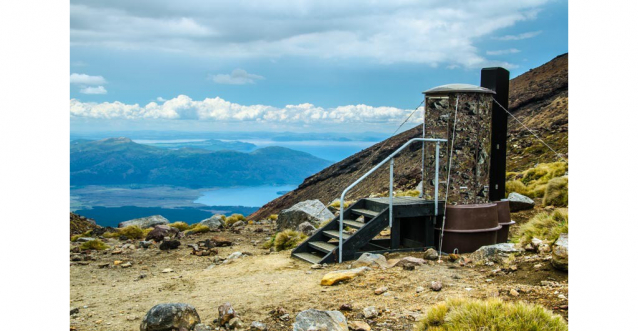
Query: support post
[421, 194]
[436, 181]
[497, 80]
[390, 198]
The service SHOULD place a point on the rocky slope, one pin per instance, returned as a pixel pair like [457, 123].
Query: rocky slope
[81, 224]
[538, 98]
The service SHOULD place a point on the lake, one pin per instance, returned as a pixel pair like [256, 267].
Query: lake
[255, 196]
[330, 150]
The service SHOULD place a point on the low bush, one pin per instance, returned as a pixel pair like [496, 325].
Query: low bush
[544, 226]
[181, 226]
[132, 232]
[556, 192]
[95, 244]
[337, 204]
[198, 228]
[273, 217]
[286, 239]
[492, 314]
[234, 218]
[533, 182]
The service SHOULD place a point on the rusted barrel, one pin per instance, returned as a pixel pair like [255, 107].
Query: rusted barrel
[468, 227]
[504, 220]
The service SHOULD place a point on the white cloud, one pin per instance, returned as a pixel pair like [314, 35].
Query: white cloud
[237, 77]
[503, 51]
[85, 79]
[434, 32]
[160, 99]
[93, 90]
[521, 36]
[217, 109]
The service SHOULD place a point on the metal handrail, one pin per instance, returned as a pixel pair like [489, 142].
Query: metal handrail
[391, 158]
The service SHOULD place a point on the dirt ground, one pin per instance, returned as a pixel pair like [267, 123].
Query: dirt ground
[116, 298]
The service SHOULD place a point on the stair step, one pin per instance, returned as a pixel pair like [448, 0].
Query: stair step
[314, 259]
[322, 246]
[365, 212]
[353, 224]
[335, 234]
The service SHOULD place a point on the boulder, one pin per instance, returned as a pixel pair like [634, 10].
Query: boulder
[312, 211]
[407, 261]
[145, 222]
[431, 254]
[214, 222]
[170, 316]
[160, 231]
[221, 241]
[169, 244]
[226, 313]
[560, 253]
[494, 253]
[306, 228]
[339, 276]
[371, 260]
[313, 319]
[519, 202]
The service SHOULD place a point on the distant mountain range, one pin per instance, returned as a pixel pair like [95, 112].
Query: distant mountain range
[120, 161]
[210, 144]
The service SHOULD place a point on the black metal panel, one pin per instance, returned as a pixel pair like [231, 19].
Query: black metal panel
[498, 80]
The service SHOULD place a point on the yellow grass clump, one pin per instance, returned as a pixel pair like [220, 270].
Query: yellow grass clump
[408, 193]
[556, 192]
[198, 228]
[533, 182]
[132, 232]
[284, 240]
[181, 226]
[273, 217]
[544, 226]
[337, 204]
[96, 244]
[234, 218]
[493, 314]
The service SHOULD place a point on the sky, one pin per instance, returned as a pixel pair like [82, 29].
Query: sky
[305, 66]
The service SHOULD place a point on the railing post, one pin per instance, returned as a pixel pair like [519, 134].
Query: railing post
[422, 193]
[391, 189]
[341, 227]
[436, 182]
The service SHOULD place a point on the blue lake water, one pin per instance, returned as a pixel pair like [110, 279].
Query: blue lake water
[334, 151]
[255, 196]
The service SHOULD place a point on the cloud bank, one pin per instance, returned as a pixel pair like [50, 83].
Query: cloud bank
[218, 109]
[237, 77]
[84, 79]
[432, 32]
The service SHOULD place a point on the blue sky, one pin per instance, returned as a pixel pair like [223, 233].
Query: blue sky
[312, 66]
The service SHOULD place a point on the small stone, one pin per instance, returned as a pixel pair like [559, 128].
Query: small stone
[360, 326]
[370, 312]
[284, 317]
[381, 290]
[170, 316]
[235, 322]
[117, 262]
[126, 265]
[538, 266]
[339, 276]
[453, 257]
[202, 327]
[116, 252]
[75, 311]
[436, 286]
[131, 318]
[315, 320]
[167, 270]
[513, 293]
[226, 313]
[346, 307]
[409, 267]
[258, 326]
[431, 254]
[420, 289]
[103, 265]
[316, 266]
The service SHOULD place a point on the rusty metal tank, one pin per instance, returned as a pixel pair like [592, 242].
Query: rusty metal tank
[468, 227]
[504, 220]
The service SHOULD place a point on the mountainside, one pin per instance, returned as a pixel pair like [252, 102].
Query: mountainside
[118, 161]
[210, 144]
[538, 98]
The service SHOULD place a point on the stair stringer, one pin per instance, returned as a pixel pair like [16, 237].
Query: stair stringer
[363, 236]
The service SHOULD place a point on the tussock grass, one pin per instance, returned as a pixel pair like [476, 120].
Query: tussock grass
[78, 236]
[492, 314]
[408, 193]
[181, 226]
[533, 182]
[284, 240]
[273, 217]
[132, 232]
[198, 228]
[96, 244]
[556, 192]
[544, 226]
[234, 218]
[337, 204]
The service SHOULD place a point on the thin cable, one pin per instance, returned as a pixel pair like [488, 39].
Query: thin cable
[449, 169]
[530, 130]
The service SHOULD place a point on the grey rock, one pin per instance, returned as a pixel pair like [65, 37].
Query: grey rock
[312, 211]
[431, 254]
[160, 232]
[436, 286]
[409, 261]
[306, 228]
[560, 253]
[371, 260]
[202, 327]
[313, 319]
[170, 316]
[519, 202]
[75, 311]
[214, 222]
[258, 326]
[226, 313]
[84, 239]
[494, 253]
[145, 244]
[370, 312]
[145, 222]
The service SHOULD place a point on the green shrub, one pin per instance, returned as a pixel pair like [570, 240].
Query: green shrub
[270, 243]
[544, 226]
[492, 314]
[556, 192]
[181, 226]
[287, 239]
[234, 218]
[198, 228]
[95, 244]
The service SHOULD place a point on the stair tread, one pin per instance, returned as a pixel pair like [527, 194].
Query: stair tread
[323, 246]
[365, 212]
[308, 257]
[354, 224]
[335, 234]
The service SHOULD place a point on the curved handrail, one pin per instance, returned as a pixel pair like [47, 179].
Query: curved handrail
[390, 157]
